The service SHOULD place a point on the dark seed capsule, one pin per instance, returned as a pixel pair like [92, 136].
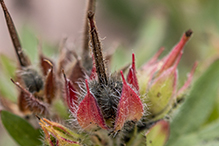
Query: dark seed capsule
[32, 80]
[107, 96]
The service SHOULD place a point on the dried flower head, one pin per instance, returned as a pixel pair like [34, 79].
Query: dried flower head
[103, 105]
[37, 90]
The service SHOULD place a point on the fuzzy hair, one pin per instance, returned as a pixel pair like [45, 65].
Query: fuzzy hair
[32, 80]
[107, 95]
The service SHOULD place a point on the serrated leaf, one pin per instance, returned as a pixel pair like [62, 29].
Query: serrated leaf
[20, 130]
[197, 107]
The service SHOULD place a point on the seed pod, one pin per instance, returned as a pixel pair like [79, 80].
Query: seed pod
[33, 104]
[23, 60]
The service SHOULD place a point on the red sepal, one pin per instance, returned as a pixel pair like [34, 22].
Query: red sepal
[130, 106]
[131, 77]
[71, 96]
[171, 58]
[188, 81]
[89, 115]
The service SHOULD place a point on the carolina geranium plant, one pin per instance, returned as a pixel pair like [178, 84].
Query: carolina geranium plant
[128, 107]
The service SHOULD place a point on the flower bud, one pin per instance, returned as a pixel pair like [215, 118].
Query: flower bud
[130, 107]
[58, 135]
[171, 58]
[147, 72]
[186, 85]
[158, 134]
[89, 115]
[162, 90]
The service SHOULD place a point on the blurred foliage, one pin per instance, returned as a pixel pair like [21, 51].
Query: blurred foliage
[166, 21]
[161, 23]
[7, 71]
[31, 44]
[188, 120]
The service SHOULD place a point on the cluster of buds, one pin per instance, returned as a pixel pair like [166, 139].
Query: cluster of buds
[158, 80]
[102, 104]
[109, 101]
[58, 135]
[37, 90]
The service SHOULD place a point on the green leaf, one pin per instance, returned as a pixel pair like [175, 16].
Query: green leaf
[7, 89]
[197, 107]
[29, 43]
[7, 71]
[158, 134]
[205, 137]
[61, 109]
[20, 130]
[7, 65]
[150, 38]
[124, 12]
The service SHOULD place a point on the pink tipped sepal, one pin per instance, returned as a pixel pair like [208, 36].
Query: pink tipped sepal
[131, 77]
[130, 107]
[71, 96]
[89, 115]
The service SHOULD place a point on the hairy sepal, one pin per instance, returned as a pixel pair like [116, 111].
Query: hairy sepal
[130, 107]
[71, 96]
[131, 77]
[89, 115]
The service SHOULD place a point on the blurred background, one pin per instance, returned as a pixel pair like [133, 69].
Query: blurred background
[144, 25]
[139, 26]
